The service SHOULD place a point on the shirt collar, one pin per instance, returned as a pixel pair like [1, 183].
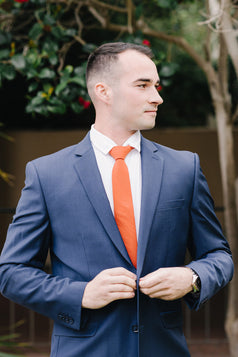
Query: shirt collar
[105, 144]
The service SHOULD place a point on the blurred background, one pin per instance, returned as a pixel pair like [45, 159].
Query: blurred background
[44, 45]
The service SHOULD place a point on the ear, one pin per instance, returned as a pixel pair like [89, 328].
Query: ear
[103, 92]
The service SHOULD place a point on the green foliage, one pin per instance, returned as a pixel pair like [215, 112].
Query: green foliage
[8, 341]
[38, 56]
[44, 46]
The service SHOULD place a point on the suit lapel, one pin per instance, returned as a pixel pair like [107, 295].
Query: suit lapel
[152, 171]
[89, 175]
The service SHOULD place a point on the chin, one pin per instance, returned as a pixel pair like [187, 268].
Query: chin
[148, 126]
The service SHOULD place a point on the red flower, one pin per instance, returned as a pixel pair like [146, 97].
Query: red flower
[159, 88]
[86, 104]
[146, 43]
[20, 1]
[83, 102]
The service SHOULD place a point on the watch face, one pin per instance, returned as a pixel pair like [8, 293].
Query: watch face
[195, 277]
[196, 283]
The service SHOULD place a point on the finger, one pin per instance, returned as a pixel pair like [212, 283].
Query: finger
[150, 289]
[121, 288]
[122, 295]
[124, 280]
[150, 280]
[121, 271]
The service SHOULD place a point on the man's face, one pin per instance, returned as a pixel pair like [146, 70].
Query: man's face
[134, 94]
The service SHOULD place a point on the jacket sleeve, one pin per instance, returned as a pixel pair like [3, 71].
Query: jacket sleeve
[210, 252]
[22, 278]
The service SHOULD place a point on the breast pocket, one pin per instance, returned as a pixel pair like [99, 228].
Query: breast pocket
[173, 204]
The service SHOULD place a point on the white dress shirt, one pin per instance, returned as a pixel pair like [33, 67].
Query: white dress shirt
[102, 146]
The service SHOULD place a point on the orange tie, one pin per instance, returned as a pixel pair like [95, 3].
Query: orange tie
[123, 204]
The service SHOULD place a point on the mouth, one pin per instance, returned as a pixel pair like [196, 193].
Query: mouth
[152, 112]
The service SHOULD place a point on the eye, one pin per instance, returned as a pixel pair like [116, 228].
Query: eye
[141, 85]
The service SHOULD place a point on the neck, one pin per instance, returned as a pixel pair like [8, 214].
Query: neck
[117, 134]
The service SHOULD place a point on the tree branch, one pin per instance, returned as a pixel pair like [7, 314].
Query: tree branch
[62, 54]
[129, 6]
[207, 45]
[179, 41]
[109, 7]
[223, 75]
[230, 37]
[98, 16]
[234, 117]
[79, 22]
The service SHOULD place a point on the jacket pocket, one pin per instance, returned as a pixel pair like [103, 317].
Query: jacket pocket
[87, 330]
[171, 204]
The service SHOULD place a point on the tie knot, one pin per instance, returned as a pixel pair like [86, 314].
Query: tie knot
[120, 152]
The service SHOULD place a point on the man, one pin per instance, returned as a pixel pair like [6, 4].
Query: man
[116, 291]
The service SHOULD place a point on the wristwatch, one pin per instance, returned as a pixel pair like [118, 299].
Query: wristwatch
[196, 283]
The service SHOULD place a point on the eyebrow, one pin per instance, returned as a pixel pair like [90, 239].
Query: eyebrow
[146, 80]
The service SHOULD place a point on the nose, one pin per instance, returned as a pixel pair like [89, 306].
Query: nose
[155, 97]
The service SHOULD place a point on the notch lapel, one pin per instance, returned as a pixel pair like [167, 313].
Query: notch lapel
[152, 171]
[89, 175]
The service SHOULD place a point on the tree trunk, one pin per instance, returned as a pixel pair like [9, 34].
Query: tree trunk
[227, 163]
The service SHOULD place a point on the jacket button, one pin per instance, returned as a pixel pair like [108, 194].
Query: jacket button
[71, 321]
[61, 316]
[135, 328]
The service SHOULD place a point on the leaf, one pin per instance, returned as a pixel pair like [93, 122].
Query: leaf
[33, 58]
[46, 73]
[35, 31]
[31, 73]
[49, 20]
[5, 38]
[40, 109]
[166, 82]
[68, 69]
[167, 4]
[53, 59]
[46, 87]
[50, 46]
[18, 61]
[2, 354]
[89, 47]
[79, 71]
[60, 87]
[57, 32]
[8, 337]
[9, 72]
[6, 137]
[168, 70]
[67, 95]
[77, 108]
[78, 80]
[32, 87]
[4, 53]
[56, 106]
[70, 32]
[39, 99]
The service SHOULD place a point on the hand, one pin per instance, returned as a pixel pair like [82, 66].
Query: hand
[107, 286]
[167, 283]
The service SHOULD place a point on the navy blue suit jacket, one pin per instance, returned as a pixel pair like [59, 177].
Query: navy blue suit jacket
[64, 208]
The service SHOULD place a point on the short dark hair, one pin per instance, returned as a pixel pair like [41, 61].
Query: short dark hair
[103, 56]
